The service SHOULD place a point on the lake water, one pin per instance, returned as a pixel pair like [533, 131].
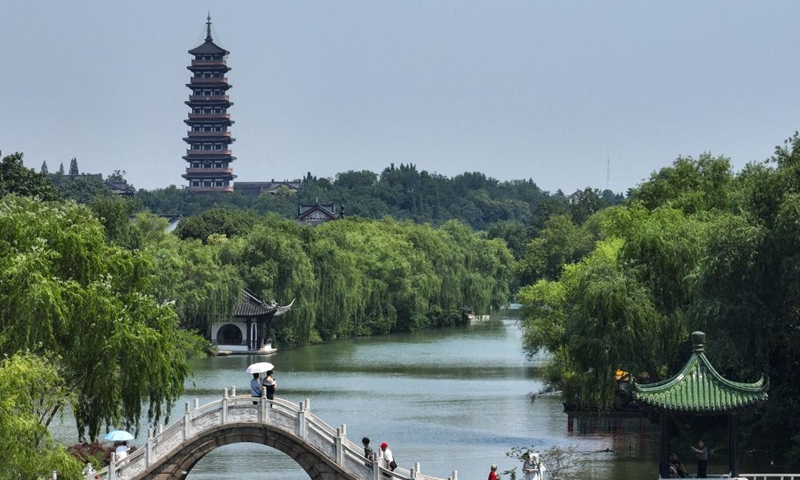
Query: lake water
[453, 399]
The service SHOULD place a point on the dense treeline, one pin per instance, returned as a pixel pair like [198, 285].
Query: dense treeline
[401, 193]
[696, 247]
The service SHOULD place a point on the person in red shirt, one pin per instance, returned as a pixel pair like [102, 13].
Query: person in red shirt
[493, 473]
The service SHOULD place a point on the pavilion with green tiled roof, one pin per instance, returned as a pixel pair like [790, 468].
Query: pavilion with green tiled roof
[698, 389]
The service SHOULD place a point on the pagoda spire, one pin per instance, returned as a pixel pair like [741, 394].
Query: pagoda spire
[208, 28]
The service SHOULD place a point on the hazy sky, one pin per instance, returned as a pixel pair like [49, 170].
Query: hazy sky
[550, 91]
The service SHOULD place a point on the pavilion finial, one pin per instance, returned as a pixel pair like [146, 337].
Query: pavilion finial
[698, 341]
[208, 27]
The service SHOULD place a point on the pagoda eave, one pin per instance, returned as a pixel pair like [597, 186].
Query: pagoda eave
[209, 102]
[209, 67]
[218, 120]
[207, 176]
[210, 138]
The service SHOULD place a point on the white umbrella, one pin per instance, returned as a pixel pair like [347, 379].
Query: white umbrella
[260, 367]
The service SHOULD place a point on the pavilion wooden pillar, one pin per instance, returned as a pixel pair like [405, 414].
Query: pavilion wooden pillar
[733, 445]
[663, 444]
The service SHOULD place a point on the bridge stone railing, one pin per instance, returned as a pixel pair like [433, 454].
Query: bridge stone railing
[297, 420]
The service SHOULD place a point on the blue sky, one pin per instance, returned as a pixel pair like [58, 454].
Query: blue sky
[551, 91]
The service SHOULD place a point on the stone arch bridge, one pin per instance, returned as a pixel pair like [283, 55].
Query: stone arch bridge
[324, 452]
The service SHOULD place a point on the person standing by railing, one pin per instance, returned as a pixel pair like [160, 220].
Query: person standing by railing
[270, 384]
[388, 458]
[255, 387]
[367, 448]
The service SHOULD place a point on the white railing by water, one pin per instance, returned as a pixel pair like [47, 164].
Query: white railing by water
[297, 420]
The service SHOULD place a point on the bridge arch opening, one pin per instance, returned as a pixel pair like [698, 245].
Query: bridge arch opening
[248, 460]
[179, 464]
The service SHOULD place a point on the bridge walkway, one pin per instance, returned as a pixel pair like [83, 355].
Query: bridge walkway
[324, 452]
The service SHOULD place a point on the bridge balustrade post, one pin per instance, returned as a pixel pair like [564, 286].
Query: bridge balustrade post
[224, 406]
[160, 428]
[233, 391]
[415, 471]
[186, 423]
[148, 453]
[455, 474]
[262, 406]
[341, 434]
[377, 458]
[112, 467]
[301, 419]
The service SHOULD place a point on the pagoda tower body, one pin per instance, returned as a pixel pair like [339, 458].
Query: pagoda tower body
[208, 155]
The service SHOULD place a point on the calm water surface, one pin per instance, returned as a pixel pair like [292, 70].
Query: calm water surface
[452, 400]
[455, 399]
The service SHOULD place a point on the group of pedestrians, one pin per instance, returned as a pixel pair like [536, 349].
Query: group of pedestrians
[676, 468]
[268, 382]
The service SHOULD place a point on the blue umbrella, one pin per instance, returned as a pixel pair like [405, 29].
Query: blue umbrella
[118, 436]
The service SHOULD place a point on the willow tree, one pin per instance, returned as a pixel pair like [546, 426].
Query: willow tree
[273, 262]
[69, 296]
[191, 275]
[340, 303]
[27, 451]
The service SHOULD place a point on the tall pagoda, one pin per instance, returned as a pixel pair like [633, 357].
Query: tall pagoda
[208, 155]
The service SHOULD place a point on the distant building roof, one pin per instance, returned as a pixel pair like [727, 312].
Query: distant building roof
[251, 306]
[699, 388]
[172, 221]
[259, 188]
[317, 213]
[121, 188]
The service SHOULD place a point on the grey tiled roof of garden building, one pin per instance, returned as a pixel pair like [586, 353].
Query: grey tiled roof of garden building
[698, 388]
[251, 306]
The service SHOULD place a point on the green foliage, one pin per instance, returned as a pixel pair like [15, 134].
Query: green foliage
[219, 221]
[402, 193]
[114, 213]
[18, 180]
[361, 277]
[696, 248]
[73, 167]
[689, 185]
[31, 390]
[560, 242]
[67, 294]
[80, 188]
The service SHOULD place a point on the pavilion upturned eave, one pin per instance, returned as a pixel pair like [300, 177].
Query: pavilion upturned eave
[699, 389]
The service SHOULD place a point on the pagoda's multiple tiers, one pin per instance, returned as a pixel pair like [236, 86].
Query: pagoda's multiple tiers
[209, 155]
